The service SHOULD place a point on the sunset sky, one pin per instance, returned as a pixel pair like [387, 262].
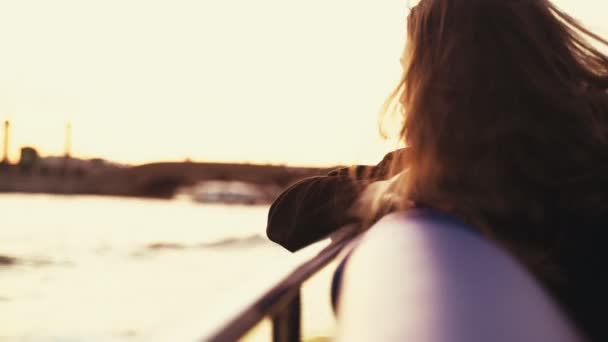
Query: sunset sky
[278, 81]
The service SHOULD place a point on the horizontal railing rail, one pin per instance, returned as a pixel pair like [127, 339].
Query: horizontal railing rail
[281, 303]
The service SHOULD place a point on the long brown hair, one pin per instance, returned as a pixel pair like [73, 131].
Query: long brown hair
[505, 114]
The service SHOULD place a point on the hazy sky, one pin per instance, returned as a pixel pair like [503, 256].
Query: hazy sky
[239, 80]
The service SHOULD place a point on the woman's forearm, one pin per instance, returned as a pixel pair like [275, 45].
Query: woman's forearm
[315, 207]
[312, 209]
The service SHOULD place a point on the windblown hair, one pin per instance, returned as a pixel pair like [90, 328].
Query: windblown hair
[505, 110]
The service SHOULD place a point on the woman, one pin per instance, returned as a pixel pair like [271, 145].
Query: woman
[506, 117]
[505, 110]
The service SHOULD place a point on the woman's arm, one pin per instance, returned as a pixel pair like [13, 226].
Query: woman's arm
[315, 207]
[312, 209]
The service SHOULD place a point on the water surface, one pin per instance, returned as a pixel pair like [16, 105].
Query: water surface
[101, 268]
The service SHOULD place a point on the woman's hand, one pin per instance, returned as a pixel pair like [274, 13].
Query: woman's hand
[378, 199]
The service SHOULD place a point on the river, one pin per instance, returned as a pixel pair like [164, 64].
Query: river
[114, 269]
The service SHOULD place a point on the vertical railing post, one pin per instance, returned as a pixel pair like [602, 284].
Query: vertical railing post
[286, 323]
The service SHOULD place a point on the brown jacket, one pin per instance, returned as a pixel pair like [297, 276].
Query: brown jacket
[313, 208]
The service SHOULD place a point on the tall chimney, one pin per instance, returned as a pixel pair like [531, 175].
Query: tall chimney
[7, 126]
[68, 140]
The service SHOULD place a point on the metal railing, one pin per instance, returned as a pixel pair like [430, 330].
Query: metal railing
[282, 302]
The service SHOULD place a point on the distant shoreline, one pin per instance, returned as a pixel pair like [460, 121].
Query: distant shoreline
[154, 180]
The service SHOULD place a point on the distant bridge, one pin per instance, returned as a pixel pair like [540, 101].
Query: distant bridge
[163, 179]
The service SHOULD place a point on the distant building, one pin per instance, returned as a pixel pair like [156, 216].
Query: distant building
[75, 166]
[29, 159]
